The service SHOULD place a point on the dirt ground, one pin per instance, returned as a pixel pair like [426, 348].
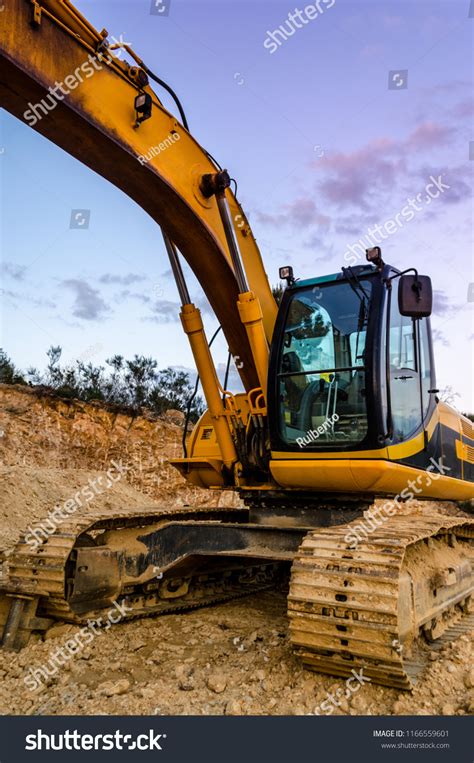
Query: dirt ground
[233, 658]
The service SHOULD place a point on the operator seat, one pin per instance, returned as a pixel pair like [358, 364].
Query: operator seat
[294, 385]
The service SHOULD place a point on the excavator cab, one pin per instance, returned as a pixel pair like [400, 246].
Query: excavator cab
[349, 370]
[352, 385]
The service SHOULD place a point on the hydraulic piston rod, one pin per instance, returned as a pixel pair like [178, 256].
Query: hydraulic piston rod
[248, 304]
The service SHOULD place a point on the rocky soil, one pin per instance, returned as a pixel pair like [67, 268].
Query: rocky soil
[233, 658]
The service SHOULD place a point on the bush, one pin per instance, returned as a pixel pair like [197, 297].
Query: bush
[135, 383]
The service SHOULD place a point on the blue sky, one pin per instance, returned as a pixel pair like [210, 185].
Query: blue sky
[322, 150]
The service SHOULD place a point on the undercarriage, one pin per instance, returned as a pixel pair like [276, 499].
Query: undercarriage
[378, 606]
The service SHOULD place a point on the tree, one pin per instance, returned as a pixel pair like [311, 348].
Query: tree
[172, 390]
[114, 385]
[448, 395]
[54, 374]
[277, 292]
[88, 380]
[140, 374]
[9, 373]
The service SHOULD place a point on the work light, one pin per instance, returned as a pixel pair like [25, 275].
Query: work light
[143, 103]
[374, 255]
[286, 274]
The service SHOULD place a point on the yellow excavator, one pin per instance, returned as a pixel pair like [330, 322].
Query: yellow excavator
[339, 408]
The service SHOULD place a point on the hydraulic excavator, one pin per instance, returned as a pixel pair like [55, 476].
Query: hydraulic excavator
[339, 408]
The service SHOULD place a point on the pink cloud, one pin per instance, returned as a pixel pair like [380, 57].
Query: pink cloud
[353, 177]
[358, 176]
[372, 50]
[464, 109]
[429, 135]
[301, 213]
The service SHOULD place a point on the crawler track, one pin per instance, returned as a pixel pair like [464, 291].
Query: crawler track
[345, 604]
[47, 571]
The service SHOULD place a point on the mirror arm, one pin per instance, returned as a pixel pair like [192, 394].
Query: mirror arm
[416, 286]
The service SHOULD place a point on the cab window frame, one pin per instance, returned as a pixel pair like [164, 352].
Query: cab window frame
[371, 370]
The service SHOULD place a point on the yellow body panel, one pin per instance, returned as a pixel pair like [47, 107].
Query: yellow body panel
[465, 452]
[392, 452]
[449, 417]
[356, 476]
[205, 473]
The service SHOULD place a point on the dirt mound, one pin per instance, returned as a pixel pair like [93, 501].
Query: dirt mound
[38, 430]
[29, 493]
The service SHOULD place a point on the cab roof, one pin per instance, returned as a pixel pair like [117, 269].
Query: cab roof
[358, 270]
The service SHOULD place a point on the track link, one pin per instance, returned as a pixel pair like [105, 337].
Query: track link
[344, 603]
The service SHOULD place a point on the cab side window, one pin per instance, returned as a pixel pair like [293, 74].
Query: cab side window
[404, 378]
[425, 365]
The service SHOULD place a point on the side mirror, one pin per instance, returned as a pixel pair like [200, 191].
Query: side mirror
[415, 296]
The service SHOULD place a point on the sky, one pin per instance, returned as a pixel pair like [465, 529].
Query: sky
[329, 130]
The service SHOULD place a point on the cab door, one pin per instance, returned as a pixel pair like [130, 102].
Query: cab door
[405, 389]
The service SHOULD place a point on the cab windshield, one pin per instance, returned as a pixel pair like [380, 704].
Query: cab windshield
[321, 373]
